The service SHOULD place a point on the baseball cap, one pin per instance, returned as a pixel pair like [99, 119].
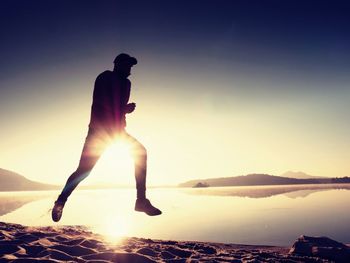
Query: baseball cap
[125, 58]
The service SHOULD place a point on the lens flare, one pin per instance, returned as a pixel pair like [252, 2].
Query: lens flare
[116, 165]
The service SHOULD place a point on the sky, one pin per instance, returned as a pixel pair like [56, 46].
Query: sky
[222, 88]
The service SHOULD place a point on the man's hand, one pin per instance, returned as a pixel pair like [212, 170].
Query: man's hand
[130, 107]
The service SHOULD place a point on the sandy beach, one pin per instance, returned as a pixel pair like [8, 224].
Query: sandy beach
[20, 243]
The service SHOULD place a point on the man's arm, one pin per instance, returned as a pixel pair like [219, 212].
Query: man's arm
[129, 107]
[100, 100]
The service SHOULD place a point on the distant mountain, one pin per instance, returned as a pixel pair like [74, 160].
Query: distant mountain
[11, 181]
[299, 175]
[261, 179]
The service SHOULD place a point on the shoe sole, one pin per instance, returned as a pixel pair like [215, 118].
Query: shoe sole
[149, 214]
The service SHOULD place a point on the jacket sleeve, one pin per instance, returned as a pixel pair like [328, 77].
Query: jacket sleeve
[101, 105]
[121, 97]
[126, 95]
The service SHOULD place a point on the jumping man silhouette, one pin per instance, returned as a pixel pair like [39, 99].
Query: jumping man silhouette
[107, 123]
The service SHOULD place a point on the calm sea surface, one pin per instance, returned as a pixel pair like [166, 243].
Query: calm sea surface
[271, 215]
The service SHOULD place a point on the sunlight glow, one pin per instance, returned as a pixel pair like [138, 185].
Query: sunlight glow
[115, 165]
[114, 229]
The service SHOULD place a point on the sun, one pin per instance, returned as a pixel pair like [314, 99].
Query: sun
[116, 165]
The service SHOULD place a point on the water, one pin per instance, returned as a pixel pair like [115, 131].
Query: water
[269, 215]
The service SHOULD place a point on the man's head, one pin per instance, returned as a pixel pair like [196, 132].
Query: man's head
[123, 63]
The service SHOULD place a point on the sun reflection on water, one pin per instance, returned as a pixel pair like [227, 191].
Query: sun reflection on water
[211, 215]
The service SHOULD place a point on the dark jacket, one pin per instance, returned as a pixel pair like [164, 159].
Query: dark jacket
[111, 95]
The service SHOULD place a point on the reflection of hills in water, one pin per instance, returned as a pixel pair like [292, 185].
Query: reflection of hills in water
[291, 191]
[12, 203]
[304, 193]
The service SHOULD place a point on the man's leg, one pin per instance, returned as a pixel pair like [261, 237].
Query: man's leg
[75, 178]
[139, 154]
[93, 147]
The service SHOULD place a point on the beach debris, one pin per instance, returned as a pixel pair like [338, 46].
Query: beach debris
[322, 247]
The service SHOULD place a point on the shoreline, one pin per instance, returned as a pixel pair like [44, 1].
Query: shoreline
[20, 243]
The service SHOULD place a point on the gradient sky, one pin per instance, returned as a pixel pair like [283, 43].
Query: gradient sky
[222, 88]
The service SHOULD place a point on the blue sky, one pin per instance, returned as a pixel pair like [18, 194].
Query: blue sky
[224, 87]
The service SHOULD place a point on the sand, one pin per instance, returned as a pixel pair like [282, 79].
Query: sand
[77, 244]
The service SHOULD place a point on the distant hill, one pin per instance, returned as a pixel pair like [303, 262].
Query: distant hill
[261, 179]
[11, 181]
[300, 175]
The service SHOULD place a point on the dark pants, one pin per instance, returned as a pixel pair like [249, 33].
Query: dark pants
[95, 144]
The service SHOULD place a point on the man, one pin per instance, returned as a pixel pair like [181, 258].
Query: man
[107, 123]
